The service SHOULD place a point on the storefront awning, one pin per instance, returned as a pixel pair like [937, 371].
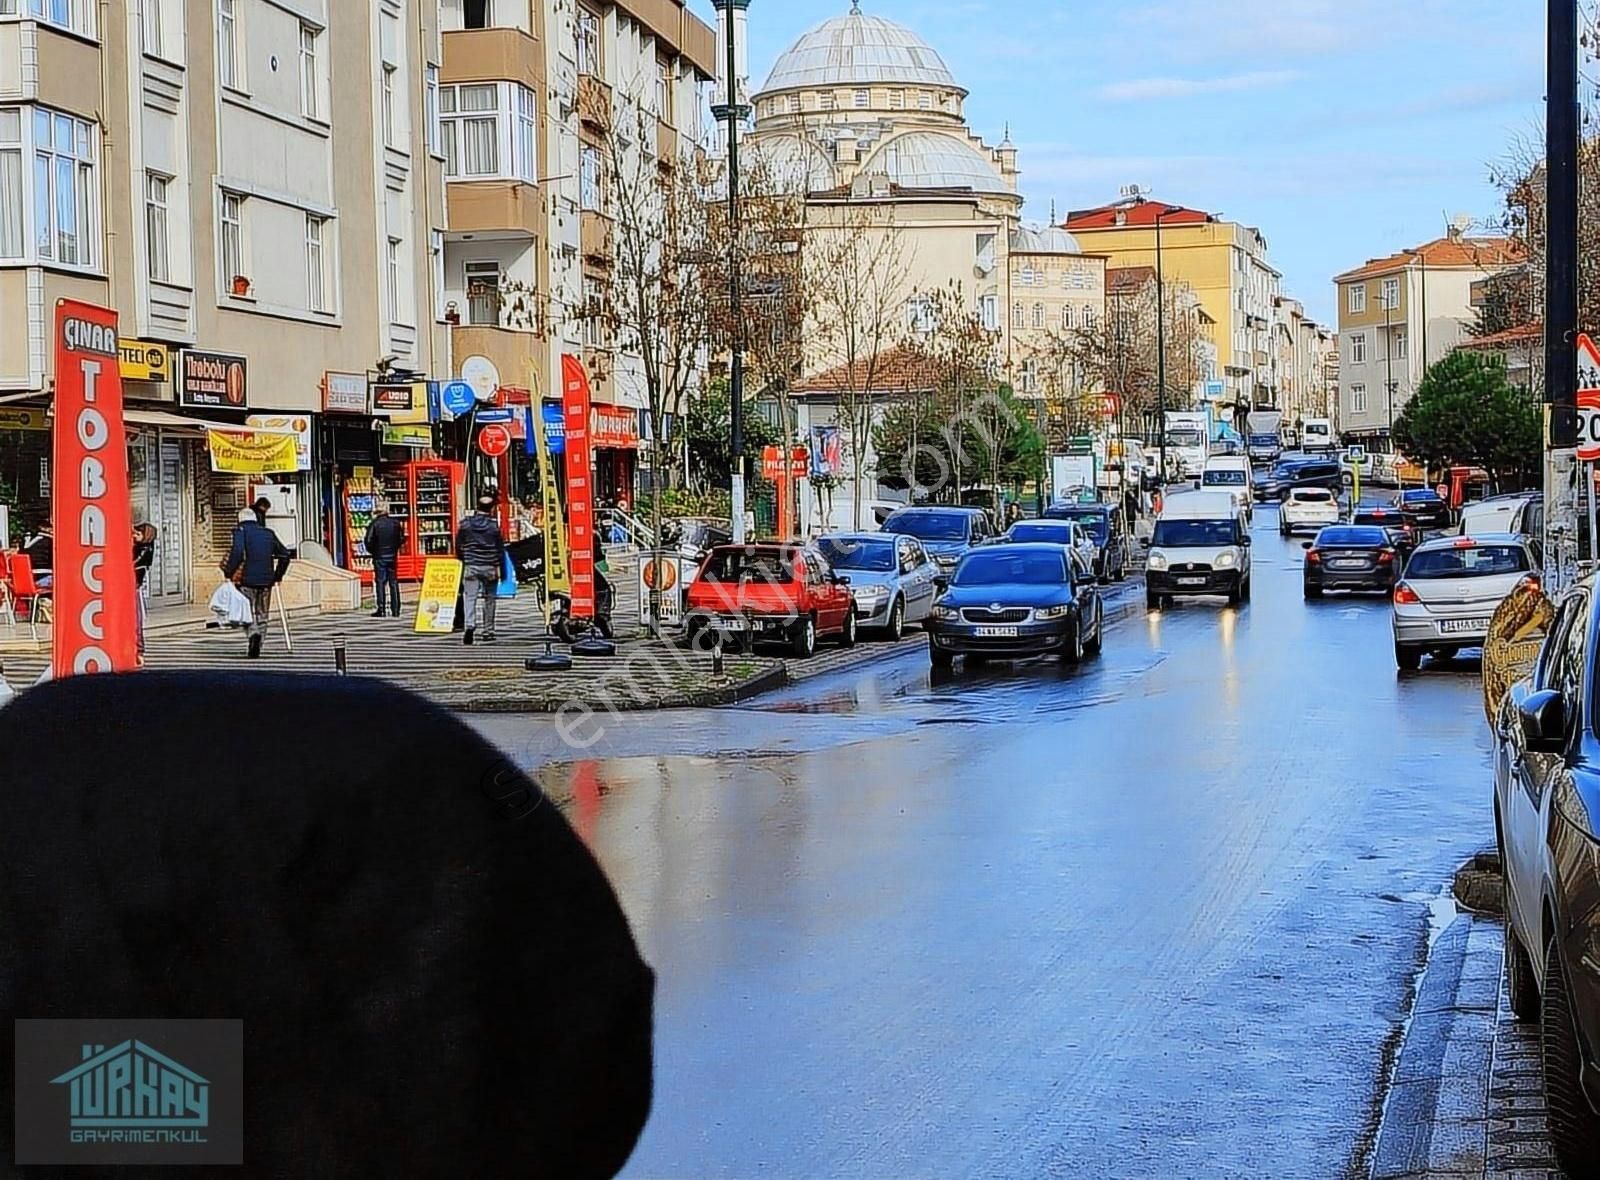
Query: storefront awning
[194, 426]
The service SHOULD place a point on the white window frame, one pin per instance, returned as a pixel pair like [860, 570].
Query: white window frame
[1066, 318]
[862, 99]
[1390, 294]
[924, 101]
[310, 72]
[920, 317]
[513, 118]
[157, 227]
[233, 255]
[591, 186]
[430, 111]
[1358, 398]
[392, 272]
[1038, 315]
[594, 335]
[474, 273]
[1357, 298]
[386, 82]
[795, 105]
[825, 101]
[14, 195]
[897, 100]
[1400, 346]
[586, 32]
[317, 278]
[40, 184]
[151, 27]
[664, 84]
[75, 16]
[230, 64]
[1358, 348]
[1019, 314]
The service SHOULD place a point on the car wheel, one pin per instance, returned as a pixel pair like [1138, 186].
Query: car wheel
[1152, 600]
[1097, 644]
[803, 638]
[1572, 1123]
[1522, 990]
[1073, 654]
[847, 635]
[1312, 591]
[896, 630]
[1407, 659]
[940, 658]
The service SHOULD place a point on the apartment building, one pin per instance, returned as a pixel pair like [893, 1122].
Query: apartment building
[533, 95]
[1401, 313]
[1300, 361]
[1223, 262]
[256, 186]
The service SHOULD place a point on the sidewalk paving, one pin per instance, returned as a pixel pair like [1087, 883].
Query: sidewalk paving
[490, 678]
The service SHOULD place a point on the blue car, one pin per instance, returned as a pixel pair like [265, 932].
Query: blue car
[945, 532]
[1014, 602]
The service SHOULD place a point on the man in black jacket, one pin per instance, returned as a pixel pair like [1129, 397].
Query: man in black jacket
[482, 550]
[385, 537]
[261, 561]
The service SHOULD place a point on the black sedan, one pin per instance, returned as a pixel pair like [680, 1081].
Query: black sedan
[1424, 507]
[1547, 822]
[1402, 530]
[1103, 523]
[1013, 602]
[1350, 557]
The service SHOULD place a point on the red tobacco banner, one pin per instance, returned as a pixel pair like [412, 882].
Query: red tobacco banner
[96, 619]
[575, 402]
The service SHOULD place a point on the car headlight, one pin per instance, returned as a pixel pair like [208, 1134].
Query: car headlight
[871, 591]
[1046, 613]
[1224, 561]
[1157, 561]
[945, 558]
[940, 611]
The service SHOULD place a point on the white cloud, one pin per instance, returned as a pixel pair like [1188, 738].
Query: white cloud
[1149, 89]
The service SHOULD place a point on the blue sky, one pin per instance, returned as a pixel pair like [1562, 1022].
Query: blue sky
[1344, 129]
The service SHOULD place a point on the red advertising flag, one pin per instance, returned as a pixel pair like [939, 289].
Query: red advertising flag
[96, 624]
[575, 404]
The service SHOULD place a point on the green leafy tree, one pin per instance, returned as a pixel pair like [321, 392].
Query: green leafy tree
[918, 439]
[1466, 411]
[710, 425]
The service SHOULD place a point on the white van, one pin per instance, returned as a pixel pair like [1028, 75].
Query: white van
[1231, 474]
[1201, 545]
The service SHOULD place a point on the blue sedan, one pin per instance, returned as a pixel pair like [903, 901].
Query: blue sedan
[1014, 602]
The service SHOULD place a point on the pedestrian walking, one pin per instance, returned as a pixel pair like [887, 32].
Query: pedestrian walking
[257, 560]
[385, 537]
[144, 556]
[482, 550]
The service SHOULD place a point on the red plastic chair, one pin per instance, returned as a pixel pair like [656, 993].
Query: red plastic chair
[8, 606]
[25, 590]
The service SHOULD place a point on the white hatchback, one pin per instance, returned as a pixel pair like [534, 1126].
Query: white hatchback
[1307, 508]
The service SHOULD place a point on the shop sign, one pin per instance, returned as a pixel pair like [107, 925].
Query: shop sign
[402, 401]
[140, 360]
[418, 438]
[480, 373]
[96, 628]
[212, 380]
[555, 428]
[616, 426]
[456, 398]
[436, 605]
[662, 573]
[12, 418]
[249, 452]
[297, 424]
[772, 463]
[344, 393]
[576, 401]
[494, 440]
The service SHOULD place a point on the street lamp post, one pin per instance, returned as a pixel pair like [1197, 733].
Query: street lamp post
[1388, 353]
[1161, 345]
[734, 112]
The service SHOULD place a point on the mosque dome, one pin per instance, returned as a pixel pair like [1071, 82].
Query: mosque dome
[790, 159]
[859, 50]
[1048, 239]
[927, 159]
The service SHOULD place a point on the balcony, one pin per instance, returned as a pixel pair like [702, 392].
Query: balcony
[493, 55]
[594, 104]
[594, 238]
[510, 351]
[481, 206]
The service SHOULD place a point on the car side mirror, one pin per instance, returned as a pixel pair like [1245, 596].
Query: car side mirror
[1307, 544]
[841, 580]
[1245, 540]
[941, 583]
[1544, 721]
[1144, 542]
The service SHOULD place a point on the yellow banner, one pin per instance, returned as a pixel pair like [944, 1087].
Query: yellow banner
[140, 360]
[436, 606]
[251, 453]
[557, 572]
[12, 418]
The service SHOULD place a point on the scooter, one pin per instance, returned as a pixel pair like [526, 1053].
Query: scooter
[563, 624]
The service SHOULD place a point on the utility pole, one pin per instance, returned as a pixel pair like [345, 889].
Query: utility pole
[1561, 289]
[732, 12]
[1388, 353]
[1161, 346]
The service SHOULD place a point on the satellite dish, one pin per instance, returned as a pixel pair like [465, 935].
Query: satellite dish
[1461, 222]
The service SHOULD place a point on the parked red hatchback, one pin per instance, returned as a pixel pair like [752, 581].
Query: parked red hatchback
[751, 593]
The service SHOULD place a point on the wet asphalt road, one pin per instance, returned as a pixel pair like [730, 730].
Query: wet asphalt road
[1156, 916]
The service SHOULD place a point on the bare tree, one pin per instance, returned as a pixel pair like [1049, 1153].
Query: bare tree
[854, 268]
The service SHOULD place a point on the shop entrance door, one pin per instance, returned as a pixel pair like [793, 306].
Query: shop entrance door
[156, 480]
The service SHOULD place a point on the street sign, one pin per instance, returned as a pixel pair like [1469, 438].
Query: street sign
[1588, 364]
[494, 440]
[1588, 424]
[1215, 389]
[1355, 454]
[772, 463]
[457, 398]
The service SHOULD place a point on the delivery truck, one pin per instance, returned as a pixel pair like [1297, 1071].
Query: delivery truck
[1188, 443]
[1264, 438]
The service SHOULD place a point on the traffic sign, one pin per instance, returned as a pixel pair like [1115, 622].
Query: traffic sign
[1355, 453]
[494, 440]
[1588, 425]
[1588, 364]
[1214, 390]
[457, 398]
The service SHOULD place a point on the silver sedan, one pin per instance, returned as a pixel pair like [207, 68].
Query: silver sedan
[891, 576]
[1449, 591]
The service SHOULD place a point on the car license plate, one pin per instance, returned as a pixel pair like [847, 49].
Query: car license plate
[1447, 626]
[996, 632]
[731, 624]
[1348, 564]
[1191, 581]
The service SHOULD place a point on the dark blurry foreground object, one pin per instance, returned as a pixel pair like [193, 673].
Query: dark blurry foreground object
[431, 982]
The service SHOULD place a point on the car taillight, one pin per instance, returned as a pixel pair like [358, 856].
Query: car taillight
[1386, 557]
[1405, 596]
[1313, 557]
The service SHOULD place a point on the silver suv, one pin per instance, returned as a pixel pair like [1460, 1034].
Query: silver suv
[1449, 591]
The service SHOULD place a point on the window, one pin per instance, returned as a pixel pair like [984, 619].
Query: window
[1038, 315]
[1088, 317]
[593, 313]
[920, 316]
[989, 312]
[1029, 277]
[12, 235]
[1066, 318]
[157, 258]
[1358, 399]
[663, 90]
[479, 14]
[1391, 293]
[66, 191]
[1019, 316]
[393, 269]
[76, 15]
[487, 130]
[862, 99]
[1030, 376]
[233, 260]
[794, 104]
[388, 104]
[1358, 298]
[152, 26]
[984, 252]
[430, 111]
[316, 263]
[483, 293]
[228, 72]
[525, 155]
[436, 259]
[588, 32]
[589, 180]
[924, 101]
[897, 100]
[1358, 348]
[825, 102]
[1400, 346]
[310, 85]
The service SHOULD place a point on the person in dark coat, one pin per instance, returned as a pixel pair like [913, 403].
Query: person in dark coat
[144, 557]
[40, 550]
[482, 550]
[385, 538]
[434, 976]
[260, 560]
